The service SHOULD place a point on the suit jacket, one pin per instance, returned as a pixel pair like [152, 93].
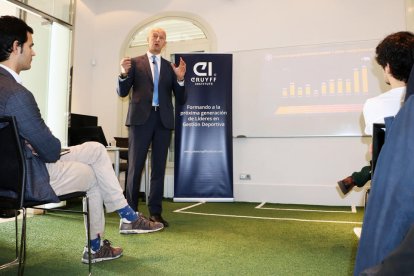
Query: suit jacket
[17, 101]
[390, 209]
[142, 84]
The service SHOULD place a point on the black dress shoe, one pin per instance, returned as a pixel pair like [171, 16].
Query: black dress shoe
[159, 218]
[346, 184]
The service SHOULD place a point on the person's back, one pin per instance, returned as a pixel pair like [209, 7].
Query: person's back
[385, 105]
[395, 54]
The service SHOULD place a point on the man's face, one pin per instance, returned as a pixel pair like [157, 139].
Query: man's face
[156, 41]
[25, 54]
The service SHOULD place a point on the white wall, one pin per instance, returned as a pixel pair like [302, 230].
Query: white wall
[286, 170]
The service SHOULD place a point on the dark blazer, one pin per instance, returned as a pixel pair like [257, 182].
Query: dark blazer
[16, 100]
[141, 81]
[389, 214]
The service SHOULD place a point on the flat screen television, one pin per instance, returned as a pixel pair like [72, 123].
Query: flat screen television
[80, 120]
[84, 128]
[79, 135]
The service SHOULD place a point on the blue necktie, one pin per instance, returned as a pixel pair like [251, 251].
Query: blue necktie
[156, 77]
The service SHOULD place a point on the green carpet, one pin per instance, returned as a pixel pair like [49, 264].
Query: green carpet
[206, 239]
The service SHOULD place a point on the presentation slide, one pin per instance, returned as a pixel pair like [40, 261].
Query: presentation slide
[316, 90]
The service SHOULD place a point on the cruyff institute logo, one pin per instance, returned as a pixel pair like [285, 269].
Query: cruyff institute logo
[203, 74]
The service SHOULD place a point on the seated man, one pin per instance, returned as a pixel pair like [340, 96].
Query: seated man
[86, 167]
[394, 54]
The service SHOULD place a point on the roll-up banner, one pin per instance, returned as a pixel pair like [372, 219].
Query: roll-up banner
[203, 169]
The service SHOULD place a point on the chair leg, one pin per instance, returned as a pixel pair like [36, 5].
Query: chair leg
[88, 234]
[17, 235]
[126, 181]
[22, 257]
[17, 257]
[366, 197]
[85, 213]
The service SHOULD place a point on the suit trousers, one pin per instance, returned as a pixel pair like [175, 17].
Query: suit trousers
[88, 168]
[153, 133]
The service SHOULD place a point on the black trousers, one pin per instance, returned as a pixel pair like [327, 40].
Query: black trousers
[363, 176]
[141, 137]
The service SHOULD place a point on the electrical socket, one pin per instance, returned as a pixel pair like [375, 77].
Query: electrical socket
[244, 176]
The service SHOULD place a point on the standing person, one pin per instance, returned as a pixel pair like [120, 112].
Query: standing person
[150, 116]
[395, 55]
[86, 167]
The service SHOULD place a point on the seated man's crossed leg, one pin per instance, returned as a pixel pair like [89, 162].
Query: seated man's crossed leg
[88, 168]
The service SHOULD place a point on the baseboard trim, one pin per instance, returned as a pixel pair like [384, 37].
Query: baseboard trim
[297, 194]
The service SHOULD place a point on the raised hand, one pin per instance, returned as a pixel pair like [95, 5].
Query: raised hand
[125, 65]
[180, 69]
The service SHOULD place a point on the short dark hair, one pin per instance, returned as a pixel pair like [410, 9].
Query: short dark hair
[12, 29]
[397, 50]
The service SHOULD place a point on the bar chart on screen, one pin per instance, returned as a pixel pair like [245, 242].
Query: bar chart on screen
[358, 84]
[310, 90]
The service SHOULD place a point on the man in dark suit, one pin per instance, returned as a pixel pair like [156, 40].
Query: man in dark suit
[86, 167]
[150, 117]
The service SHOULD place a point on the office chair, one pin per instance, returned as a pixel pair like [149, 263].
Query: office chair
[122, 142]
[378, 139]
[12, 189]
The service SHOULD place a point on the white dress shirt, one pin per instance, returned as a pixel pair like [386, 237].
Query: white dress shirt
[382, 106]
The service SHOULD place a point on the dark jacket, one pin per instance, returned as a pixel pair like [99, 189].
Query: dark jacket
[16, 100]
[142, 84]
[390, 208]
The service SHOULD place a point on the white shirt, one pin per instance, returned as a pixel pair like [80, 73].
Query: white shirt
[158, 59]
[14, 74]
[382, 106]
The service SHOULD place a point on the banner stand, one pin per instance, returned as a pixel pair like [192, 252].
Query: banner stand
[203, 168]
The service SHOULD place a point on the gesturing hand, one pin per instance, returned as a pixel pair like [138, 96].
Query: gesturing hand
[125, 65]
[180, 69]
